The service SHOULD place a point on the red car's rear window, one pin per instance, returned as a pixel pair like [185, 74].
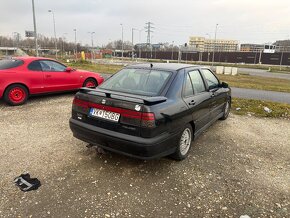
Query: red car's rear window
[11, 63]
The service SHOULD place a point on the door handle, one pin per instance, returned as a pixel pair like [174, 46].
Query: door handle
[47, 76]
[192, 102]
[212, 94]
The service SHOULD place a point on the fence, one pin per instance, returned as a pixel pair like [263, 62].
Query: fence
[226, 57]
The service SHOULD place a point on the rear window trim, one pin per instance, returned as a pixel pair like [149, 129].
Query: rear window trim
[141, 68]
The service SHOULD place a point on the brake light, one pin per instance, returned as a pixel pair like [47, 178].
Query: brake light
[81, 103]
[148, 120]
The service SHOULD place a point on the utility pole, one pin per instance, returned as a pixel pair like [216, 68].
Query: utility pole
[133, 42]
[149, 26]
[122, 40]
[140, 43]
[55, 40]
[172, 50]
[76, 46]
[35, 32]
[63, 41]
[281, 59]
[92, 38]
[216, 26]
[208, 53]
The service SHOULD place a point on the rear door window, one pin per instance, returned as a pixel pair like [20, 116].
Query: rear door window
[197, 81]
[11, 63]
[188, 90]
[138, 81]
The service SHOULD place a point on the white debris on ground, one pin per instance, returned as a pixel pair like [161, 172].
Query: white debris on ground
[268, 110]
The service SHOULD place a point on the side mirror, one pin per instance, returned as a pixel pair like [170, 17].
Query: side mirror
[68, 69]
[224, 85]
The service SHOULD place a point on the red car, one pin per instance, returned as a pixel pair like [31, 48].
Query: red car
[24, 76]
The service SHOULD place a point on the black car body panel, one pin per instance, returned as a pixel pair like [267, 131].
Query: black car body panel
[149, 126]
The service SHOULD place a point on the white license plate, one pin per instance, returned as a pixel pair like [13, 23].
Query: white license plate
[107, 115]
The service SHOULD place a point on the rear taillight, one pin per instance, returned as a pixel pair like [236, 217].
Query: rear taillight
[148, 120]
[81, 103]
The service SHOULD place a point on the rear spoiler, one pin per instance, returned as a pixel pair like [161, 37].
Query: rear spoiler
[126, 97]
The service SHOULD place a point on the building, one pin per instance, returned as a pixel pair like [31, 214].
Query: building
[252, 47]
[202, 44]
[282, 45]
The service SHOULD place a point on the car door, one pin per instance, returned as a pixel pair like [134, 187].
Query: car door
[56, 78]
[197, 98]
[35, 77]
[217, 95]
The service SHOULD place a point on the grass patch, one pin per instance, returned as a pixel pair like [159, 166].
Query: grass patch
[256, 108]
[257, 82]
[99, 68]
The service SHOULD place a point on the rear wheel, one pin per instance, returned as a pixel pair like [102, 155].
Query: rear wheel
[184, 143]
[90, 83]
[16, 95]
[227, 109]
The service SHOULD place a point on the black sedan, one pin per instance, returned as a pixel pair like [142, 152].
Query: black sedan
[150, 110]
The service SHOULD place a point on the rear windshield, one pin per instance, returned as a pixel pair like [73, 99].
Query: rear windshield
[137, 81]
[7, 64]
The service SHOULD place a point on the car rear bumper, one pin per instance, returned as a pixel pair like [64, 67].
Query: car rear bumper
[133, 146]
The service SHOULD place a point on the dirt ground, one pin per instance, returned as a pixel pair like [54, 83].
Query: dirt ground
[240, 166]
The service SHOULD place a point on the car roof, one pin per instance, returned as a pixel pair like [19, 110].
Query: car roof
[163, 66]
[31, 58]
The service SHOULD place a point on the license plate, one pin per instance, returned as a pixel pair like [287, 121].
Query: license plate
[107, 115]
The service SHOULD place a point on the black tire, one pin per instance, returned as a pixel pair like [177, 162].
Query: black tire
[226, 110]
[181, 152]
[90, 81]
[16, 95]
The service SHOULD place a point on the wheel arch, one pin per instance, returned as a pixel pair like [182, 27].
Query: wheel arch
[193, 129]
[17, 83]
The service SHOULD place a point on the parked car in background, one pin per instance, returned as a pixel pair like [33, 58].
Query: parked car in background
[150, 110]
[24, 76]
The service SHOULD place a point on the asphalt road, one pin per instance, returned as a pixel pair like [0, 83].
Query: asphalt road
[237, 167]
[282, 97]
[264, 73]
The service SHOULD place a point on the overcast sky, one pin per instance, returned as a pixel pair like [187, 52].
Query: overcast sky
[250, 21]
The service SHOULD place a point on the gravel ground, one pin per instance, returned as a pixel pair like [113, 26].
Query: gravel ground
[240, 166]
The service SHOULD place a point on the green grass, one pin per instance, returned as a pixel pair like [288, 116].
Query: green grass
[256, 108]
[257, 82]
[99, 68]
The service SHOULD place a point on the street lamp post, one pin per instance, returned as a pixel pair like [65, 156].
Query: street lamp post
[216, 26]
[76, 46]
[35, 32]
[122, 40]
[55, 40]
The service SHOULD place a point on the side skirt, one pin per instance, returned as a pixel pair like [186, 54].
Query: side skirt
[198, 133]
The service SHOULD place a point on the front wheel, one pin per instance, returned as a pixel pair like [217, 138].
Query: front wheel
[184, 143]
[16, 95]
